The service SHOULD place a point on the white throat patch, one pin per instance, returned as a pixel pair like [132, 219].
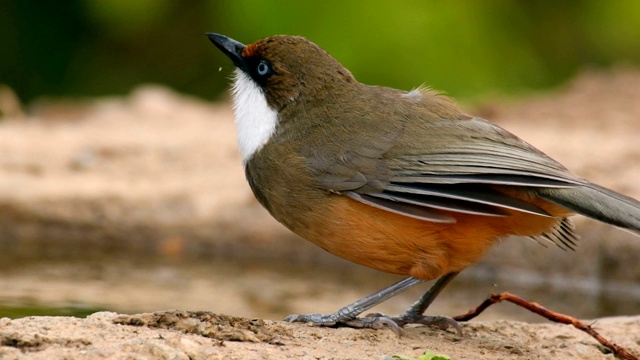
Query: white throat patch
[255, 120]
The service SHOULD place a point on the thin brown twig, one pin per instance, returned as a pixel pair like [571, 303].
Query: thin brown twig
[617, 350]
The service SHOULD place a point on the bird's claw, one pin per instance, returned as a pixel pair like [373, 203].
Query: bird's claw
[368, 322]
[378, 321]
[441, 322]
[375, 322]
[315, 319]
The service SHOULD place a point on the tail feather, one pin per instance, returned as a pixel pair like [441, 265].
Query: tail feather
[598, 203]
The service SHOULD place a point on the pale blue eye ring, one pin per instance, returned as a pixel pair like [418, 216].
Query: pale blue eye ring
[263, 68]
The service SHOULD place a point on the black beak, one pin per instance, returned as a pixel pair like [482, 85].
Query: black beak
[229, 47]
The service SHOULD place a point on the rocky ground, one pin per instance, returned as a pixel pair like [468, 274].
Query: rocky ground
[189, 335]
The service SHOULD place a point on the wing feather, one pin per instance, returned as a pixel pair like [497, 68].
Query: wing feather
[402, 208]
[443, 203]
[426, 168]
[469, 193]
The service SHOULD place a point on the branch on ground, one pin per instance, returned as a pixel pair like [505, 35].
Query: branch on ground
[617, 350]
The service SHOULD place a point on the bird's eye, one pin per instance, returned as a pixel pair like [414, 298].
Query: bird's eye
[263, 68]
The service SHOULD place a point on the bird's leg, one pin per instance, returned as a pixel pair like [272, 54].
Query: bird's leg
[414, 315]
[348, 315]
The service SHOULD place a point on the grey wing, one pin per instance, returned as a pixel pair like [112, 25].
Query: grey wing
[454, 170]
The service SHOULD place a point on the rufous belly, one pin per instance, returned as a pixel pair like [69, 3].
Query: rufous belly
[406, 246]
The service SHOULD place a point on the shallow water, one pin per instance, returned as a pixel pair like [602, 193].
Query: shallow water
[274, 290]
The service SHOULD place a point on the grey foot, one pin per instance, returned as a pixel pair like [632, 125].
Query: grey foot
[369, 322]
[440, 322]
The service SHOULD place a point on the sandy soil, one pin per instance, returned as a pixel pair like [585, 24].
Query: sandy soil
[91, 191]
[202, 335]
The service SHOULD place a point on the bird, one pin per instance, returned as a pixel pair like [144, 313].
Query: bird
[403, 182]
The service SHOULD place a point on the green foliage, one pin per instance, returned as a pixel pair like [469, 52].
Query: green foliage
[429, 355]
[16, 312]
[466, 48]
[401, 357]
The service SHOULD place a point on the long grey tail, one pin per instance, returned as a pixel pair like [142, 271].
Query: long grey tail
[598, 203]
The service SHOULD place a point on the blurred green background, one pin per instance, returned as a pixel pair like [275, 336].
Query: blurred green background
[470, 49]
